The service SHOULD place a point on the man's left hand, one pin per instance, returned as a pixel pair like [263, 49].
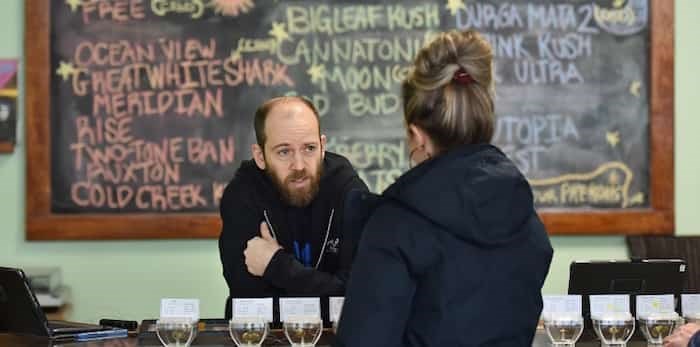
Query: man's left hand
[259, 251]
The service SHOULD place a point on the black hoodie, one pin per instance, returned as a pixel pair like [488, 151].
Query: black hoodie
[453, 255]
[250, 198]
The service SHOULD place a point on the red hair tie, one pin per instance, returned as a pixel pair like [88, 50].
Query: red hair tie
[462, 77]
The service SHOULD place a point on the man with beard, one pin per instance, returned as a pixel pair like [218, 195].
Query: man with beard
[282, 212]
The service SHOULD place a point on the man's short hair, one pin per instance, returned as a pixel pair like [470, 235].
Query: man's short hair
[262, 112]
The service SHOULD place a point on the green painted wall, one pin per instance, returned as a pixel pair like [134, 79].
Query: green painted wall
[126, 279]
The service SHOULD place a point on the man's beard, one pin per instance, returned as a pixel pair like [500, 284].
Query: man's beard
[293, 196]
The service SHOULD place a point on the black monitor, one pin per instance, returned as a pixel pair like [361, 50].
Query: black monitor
[638, 277]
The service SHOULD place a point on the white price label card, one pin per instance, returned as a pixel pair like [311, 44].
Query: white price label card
[561, 304]
[179, 308]
[690, 303]
[300, 307]
[647, 304]
[259, 308]
[601, 304]
[335, 307]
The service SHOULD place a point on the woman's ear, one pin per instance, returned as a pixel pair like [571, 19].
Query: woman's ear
[416, 135]
[421, 140]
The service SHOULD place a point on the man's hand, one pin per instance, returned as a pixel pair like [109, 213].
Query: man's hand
[259, 251]
[681, 335]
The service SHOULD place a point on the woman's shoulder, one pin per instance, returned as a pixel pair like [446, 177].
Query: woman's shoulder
[397, 230]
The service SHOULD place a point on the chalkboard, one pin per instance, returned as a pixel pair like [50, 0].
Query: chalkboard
[140, 111]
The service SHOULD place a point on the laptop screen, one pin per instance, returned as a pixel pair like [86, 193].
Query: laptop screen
[20, 312]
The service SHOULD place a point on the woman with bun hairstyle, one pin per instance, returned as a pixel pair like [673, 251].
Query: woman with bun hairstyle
[453, 253]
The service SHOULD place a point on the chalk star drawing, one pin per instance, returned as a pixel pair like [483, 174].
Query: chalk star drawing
[235, 55]
[74, 4]
[455, 5]
[317, 73]
[65, 70]
[278, 32]
[635, 87]
[613, 138]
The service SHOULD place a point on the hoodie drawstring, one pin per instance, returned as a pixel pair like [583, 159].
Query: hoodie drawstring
[325, 241]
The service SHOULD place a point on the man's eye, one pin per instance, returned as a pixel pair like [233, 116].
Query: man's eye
[283, 152]
[310, 148]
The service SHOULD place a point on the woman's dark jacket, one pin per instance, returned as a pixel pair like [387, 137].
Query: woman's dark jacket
[452, 254]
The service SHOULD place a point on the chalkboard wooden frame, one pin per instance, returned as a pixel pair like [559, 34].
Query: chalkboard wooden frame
[42, 224]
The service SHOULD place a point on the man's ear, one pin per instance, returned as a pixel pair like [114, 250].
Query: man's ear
[258, 156]
[323, 146]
